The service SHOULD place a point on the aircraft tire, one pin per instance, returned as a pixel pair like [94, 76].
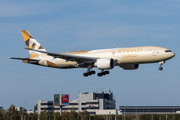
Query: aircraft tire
[99, 74]
[89, 73]
[93, 72]
[160, 68]
[103, 73]
[85, 74]
[107, 72]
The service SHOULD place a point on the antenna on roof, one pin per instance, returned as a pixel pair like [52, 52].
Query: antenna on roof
[109, 89]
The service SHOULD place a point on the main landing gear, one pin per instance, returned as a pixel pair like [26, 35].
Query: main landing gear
[89, 73]
[161, 63]
[103, 73]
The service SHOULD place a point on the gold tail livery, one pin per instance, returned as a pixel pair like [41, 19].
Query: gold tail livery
[103, 59]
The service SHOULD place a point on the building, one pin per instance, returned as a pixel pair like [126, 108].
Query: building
[45, 105]
[92, 102]
[18, 108]
[106, 112]
[86, 101]
[1, 107]
[149, 109]
[28, 112]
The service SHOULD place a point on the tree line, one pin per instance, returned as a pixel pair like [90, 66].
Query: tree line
[14, 114]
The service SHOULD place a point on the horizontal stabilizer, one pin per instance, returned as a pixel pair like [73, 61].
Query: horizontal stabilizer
[23, 59]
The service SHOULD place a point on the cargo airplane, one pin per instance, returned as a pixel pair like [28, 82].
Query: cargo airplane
[103, 59]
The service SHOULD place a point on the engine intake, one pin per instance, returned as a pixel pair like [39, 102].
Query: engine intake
[104, 63]
[130, 66]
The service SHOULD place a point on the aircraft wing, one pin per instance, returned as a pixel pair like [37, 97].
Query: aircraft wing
[68, 57]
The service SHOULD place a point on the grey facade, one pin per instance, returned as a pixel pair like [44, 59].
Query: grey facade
[45, 105]
[86, 101]
[91, 102]
[149, 109]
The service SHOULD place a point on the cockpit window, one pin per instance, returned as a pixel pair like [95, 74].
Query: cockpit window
[168, 51]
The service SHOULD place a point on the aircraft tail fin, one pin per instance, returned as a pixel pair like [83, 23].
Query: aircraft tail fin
[32, 43]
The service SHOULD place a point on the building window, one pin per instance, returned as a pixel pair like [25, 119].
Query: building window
[92, 103]
[73, 103]
[92, 107]
[110, 107]
[46, 103]
[69, 108]
[108, 103]
[47, 109]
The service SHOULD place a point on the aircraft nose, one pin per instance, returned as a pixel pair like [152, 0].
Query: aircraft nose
[173, 54]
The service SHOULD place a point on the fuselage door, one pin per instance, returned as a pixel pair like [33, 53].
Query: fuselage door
[154, 52]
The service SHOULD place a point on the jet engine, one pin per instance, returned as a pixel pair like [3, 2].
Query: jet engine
[104, 63]
[130, 66]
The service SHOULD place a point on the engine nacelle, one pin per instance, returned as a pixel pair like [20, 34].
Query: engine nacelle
[104, 63]
[130, 66]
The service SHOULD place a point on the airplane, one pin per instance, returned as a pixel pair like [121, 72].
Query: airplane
[103, 59]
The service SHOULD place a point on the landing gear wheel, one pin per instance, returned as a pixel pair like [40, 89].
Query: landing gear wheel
[85, 74]
[93, 72]
[89, 73]
[160, 68]
[107, 72]
[99, 74]
[103, 73]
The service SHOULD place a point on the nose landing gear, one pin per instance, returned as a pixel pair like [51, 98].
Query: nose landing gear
[161, 63]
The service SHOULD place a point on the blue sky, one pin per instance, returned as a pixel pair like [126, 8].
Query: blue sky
[85, 25]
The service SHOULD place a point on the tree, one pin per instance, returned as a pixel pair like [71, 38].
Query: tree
[73, 114]
[12, 113]
[2, 113]
[32, 116]
[11, 109]
[65, 115]
[22, 113]
[83, 115]
[44, 115]
[56, 116]
[35, 107]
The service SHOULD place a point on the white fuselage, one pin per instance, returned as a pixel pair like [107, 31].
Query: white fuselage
[132, 55]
